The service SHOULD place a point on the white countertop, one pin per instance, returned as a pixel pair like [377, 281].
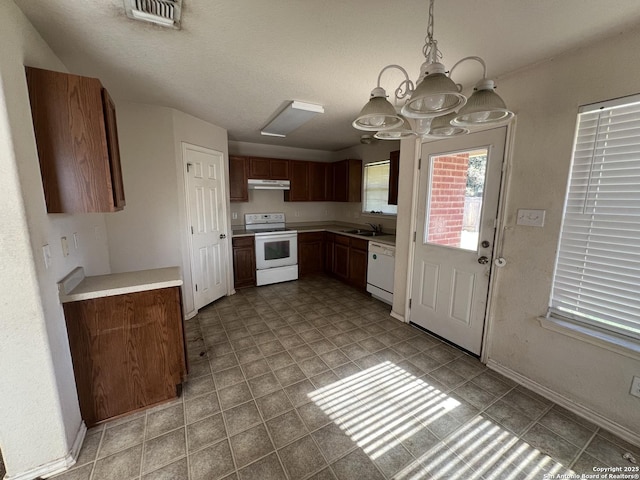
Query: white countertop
[76, 286]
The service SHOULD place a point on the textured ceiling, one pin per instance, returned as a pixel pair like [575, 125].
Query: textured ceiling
[235, 63]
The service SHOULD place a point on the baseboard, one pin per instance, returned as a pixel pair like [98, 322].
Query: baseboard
[580, 410]
[56, 466]
[397, 316]
[191, 314]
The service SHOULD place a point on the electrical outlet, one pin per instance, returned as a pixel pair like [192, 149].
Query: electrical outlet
[234, 215]
[635, 387]
[75, 240]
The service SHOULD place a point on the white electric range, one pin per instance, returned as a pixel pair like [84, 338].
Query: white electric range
[276, 247]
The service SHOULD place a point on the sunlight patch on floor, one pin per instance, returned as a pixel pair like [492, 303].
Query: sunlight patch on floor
[385, 405]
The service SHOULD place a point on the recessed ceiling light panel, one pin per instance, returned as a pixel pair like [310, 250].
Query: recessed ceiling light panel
[294, 115]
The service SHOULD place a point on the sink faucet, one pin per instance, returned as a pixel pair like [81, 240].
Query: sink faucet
[376, 228]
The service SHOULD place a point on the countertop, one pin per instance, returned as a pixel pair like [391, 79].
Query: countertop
[387, 239]
[76, 286]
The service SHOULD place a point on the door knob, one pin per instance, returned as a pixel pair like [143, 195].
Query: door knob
[483, 260]
[222, 235]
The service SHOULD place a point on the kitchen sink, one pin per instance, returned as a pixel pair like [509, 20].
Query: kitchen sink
[363, 233]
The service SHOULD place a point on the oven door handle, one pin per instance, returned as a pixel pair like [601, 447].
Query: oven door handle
[275, 235]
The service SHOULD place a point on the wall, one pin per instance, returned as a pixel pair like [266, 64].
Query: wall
[150, 231]
[546, 98]
[592, 376]
[39, 413]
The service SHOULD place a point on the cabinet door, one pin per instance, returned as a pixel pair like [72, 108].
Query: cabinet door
[328, 182]
[244, 262]
[341, 181]
[355, 181]
[238, 191]
[341, 257]
[310, 253]
[113, 146]
[299, 172]
[75, 149]
[279, 169]
[317, 187]
[259, 168]
[329, 246]
[358, 268]
[127, 351]
[394, 174]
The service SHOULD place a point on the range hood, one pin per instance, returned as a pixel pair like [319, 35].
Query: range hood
[258, 184]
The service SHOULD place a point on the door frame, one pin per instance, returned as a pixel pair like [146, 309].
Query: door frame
[187, 237]
[499, 235]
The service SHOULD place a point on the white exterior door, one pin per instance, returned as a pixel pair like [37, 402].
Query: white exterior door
[207, 221]
[455, 230]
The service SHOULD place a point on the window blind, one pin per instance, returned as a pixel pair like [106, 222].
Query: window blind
[597, 273]
[376, 188]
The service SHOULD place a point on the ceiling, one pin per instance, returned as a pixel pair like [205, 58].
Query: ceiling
[235, 63]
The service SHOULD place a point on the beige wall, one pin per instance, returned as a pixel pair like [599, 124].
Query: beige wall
[39, 413]
[151, 230]
[546, 99]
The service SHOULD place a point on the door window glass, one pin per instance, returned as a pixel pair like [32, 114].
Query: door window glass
[454, 202]
[274, 250]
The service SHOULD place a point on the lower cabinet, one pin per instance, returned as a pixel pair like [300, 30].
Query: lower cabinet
[128, 351]
[346, 259]
[358, 258]
[244, 262]
[310, 253]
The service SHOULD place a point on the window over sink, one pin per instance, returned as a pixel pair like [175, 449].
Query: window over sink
[376, 189]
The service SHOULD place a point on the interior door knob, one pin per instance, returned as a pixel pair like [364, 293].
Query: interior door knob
[222, 235]
[483, 260]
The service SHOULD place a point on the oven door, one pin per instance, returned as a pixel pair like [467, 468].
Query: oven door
[276, 249]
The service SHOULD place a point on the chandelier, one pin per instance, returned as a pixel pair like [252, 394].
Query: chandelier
[434, 103]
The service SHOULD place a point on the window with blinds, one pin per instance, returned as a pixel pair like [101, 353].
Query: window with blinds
[597, 273]
[376, 189]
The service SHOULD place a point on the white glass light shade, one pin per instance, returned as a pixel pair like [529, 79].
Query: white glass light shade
[397, 133]
[377, 114]
[441, 127]
[483, 107]
[436, 95]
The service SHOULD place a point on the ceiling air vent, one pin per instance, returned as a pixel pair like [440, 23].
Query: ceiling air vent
[160, 12]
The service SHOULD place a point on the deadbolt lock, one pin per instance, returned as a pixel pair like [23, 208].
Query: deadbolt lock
[485, 244]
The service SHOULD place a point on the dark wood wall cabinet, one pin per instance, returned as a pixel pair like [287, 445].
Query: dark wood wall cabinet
[238, 189]
[74, 122]
[394, 177]
[244, 262]
[310, 181]
[127, 350]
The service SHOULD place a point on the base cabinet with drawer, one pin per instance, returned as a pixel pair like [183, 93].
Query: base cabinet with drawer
[244, 262]
[128, 351]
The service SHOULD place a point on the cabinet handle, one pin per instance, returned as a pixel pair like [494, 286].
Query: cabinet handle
[222, 235]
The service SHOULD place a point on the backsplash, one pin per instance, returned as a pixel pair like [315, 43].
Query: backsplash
[263, 201]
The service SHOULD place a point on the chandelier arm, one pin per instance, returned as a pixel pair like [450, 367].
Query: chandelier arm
[405, 88]
[478, 59]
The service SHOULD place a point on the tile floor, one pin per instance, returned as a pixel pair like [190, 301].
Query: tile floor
[312, 379]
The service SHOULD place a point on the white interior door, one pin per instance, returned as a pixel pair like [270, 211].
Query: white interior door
[207, 223]
[455, 230]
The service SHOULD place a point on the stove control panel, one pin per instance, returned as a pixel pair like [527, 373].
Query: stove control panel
[262, 218]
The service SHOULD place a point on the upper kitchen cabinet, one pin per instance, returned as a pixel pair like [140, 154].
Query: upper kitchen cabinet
[299, 191]
[238, 191]
[347, 181]
[74, 122]
[394, 176]
[268, 168]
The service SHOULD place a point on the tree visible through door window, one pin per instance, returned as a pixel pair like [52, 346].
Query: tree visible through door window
[597, 274]
[454, 202]
[376, 189]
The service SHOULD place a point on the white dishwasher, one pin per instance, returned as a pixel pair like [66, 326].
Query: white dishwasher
[380, 271]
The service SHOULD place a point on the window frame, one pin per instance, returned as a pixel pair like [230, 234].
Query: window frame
[368, 213]
[592, 331]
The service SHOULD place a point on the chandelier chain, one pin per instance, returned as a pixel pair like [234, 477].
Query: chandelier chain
[430, 48]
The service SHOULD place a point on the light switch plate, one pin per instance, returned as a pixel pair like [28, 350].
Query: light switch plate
[65, 246]
[46, 253]
[531, 218]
